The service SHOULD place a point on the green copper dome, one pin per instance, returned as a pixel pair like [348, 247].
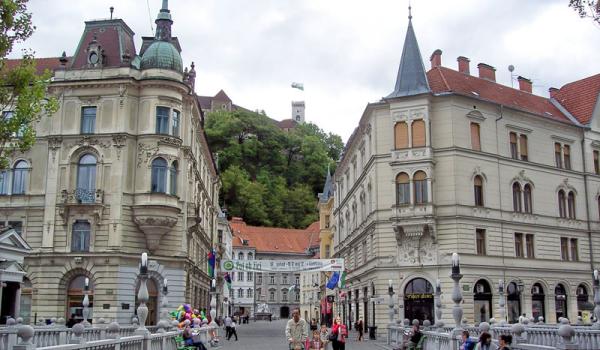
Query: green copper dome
[163, 55]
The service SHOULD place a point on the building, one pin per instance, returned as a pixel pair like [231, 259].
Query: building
[327, 296]
[224, 248]
[122, 168]
[310, 286]
[298, 108]
[14, 294]
[455, 162]
[279, 291]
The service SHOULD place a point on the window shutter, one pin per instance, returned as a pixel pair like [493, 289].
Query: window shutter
[475, 137]
[401, 135]
[418, 133]
[523, 144]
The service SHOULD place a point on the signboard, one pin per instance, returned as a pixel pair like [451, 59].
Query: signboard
[309, 265]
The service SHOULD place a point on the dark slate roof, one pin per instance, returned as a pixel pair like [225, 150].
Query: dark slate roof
[115, 37]
[411, 79]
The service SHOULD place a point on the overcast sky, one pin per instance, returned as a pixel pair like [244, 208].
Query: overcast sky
[346, 52]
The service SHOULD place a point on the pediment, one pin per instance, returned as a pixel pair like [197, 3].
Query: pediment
[10, 238]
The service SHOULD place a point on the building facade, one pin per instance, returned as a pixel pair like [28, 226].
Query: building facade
[122, 168]
[224, 248]
[454, 162]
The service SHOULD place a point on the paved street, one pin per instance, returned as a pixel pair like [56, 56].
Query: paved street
[264, 335]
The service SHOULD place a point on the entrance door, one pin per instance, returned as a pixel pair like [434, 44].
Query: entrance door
[513, 302]
[284, 312]
[418, 300]
[538, 307]
[560, 296]
[482, 299]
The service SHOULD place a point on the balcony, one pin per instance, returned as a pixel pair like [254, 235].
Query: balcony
[412, 211]
[155, 214]
[411, 154]
[89, 201]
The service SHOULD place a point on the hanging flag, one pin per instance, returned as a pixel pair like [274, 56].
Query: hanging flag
[342, 281]
[333, 281]
[228, 279]
[211, 263]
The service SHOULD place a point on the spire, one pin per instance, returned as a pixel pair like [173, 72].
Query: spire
[163, 23]
[411, 79]
[327, 188]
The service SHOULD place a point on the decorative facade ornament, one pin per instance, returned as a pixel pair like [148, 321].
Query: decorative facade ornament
[118, 144]
[145, 152]
[54, 144]
[416, 244]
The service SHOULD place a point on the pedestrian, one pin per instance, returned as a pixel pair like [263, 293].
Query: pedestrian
[504, 342]
[228, 321]
[296, 331]
[485, 342]
[233, 331]
[339, 333]
[324, 334]
[360, 329]
[188, 338]
[415, 336]
[315, 343]
[313, 325]
[467, 343]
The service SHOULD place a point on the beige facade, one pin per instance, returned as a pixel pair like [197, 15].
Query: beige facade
[105, 183]
[403, 206]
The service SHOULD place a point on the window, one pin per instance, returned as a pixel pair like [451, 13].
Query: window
[297, 298]
[401, 135]
[7, 116]
[402, 189]
[240, 276]
[4, 182]
[574, 250]
[80, 240]
[562, 204]
[159, 175]
[88, 120]
[420, 186]
[20, 172]
[480, 238]
[271, 279]
[271, 295]
[249, 293]
[418, 133]
[284, 279]
[529, 246]
[250, 256]
[475, 137]
[364, 252]
[567, 156]
[173, 178]
[240, 256]
[514, 154]
[240, 293]
[564, 248]
[528, 204]
[596, 163]
[478, 190]
[523, 147]
[259, 278]
[162, 120]
[519, 245]
[284, 296]
[297, 280]
[516, 189]
[557, 155]
[249, 276]
[327, 249]
[86, 179]
[176, 120]
[571, 205]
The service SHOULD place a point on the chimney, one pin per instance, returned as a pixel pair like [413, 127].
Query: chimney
[436, 58]
[487, 72]
[553, 91]
[524, 84]
[463, 64]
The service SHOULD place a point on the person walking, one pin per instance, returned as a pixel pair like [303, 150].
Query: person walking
[485, 342]
[228, 321]
[339, 333]
[324, 334]
[296, 331]
[233, 331]
[360, 328]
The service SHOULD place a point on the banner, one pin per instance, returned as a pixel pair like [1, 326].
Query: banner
[309, 265]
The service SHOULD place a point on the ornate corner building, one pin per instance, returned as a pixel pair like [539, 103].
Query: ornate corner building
[455, 162]
[122, 167]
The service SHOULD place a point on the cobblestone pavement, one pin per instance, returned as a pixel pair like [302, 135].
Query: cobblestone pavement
[264, 335]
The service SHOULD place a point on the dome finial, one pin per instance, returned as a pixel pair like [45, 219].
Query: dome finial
[165, 5]
[409, 11]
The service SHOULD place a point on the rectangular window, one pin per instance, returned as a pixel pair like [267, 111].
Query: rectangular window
[240, 293]
[564, 248]
[80, 240]
[271, 296]
[475, 137]
[364, 252]
[523, 147]
[420, 191]
[557, 155]
[4, 182]
[240, 276]
[249, 276]
[297, 280]
[596, 163]
[88, 120]
[285, 279]
[176, 121]
[259, 278]
[514, 154]
[567, 156]
[162, 120]
[327, 248]
[480, 237]
[297, 296]
[519, 245]
[574, 251]
[17, 226]
[529, 245]
[271, 279]
[403, 195]
[284, 295]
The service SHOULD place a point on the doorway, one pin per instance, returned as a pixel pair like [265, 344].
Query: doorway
[284, 312]
[418, 300]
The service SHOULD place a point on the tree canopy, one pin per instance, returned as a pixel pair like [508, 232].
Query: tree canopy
[270, 177]
[587, 8]
[23, 97]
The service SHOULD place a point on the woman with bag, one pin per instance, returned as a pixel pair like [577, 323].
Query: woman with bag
[338, 335]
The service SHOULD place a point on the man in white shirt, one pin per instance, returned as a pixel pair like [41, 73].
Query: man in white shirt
[296, 331]
[228, 327]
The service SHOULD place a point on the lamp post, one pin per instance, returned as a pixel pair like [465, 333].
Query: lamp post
[165, 322]
[457, 311]
[86, 302]
[142, 310]
[596, 300]
[501, 302]
[213, 302]
[391, 302]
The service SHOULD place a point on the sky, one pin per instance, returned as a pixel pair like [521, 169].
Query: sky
[345, 52]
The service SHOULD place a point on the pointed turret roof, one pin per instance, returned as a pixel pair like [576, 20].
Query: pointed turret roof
[411, 79]
[327, 188]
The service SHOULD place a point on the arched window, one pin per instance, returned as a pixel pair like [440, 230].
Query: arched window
[86, 179]
[75, 293]
[482, 301]
[418, 300]
[560, 296]
[80, 239]
[478, 191]
[159, 175]
[402, 189]
[538, 302]
[583, 299]
[527, 199]
[401, 135]
[418, 133]
[240, 256]
[20, 172]
[173, 178]
[420, 187]
[513, 302]
[562, 204]
[250, 256]
[516, 189]
[571, 204]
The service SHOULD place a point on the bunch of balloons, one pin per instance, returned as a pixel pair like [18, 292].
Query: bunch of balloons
[185, 312]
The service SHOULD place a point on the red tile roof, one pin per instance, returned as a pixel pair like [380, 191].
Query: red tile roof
[287, 124]
[446, 80]
[580, 97]
[273, 239]
[51, 63]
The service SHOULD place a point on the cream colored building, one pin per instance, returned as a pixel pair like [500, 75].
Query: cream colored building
[122, 168]
[454, 162]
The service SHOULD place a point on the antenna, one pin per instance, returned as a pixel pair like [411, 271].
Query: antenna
[149, 15]
[511, 69]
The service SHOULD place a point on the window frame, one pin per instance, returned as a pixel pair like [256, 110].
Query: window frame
[571, 208]
[83, 242]
[478, 191]
[162, 120]
[158, 173]
[513, 141]
[20, 177]
[420, 189]
[574, 249]
[564, 248]
[475, 129]
[517, 200]
[527, 199]
[88, 121]
[530, 245]
[562, 204]
[480, 241]
[519, 245]
[567, 156]
[402, 189]
[175, 122]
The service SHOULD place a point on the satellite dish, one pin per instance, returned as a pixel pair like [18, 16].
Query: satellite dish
[511, 68]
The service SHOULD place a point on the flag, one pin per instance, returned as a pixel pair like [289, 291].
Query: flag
[211, 263]
[228, 279]
[333, 281]
[342, 281]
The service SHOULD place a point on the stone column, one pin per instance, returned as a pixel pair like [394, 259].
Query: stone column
[17, 302]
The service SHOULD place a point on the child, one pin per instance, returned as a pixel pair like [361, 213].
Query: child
[324, 336]
[315, 342]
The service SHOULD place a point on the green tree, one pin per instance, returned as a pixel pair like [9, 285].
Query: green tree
[587, 8]
[23, 93]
